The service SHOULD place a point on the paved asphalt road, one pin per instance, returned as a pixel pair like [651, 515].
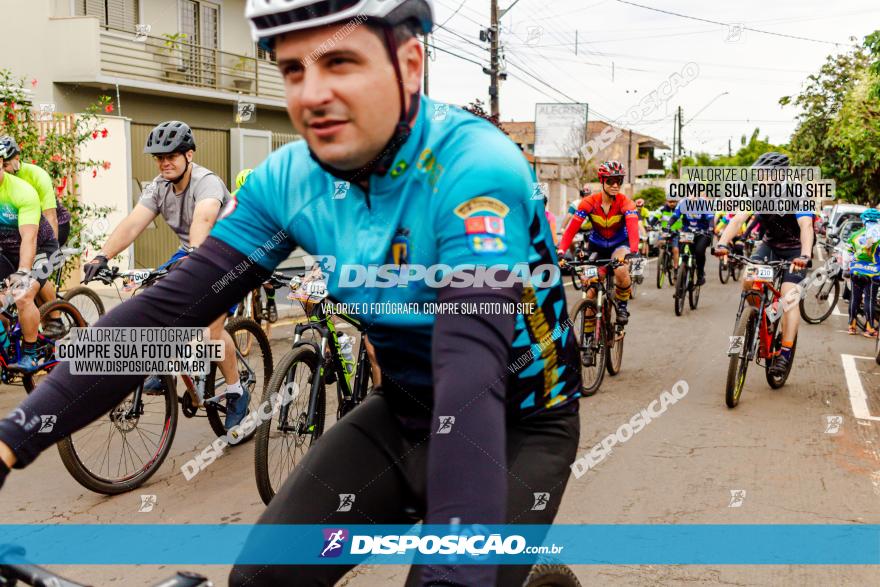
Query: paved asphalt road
[776, 447]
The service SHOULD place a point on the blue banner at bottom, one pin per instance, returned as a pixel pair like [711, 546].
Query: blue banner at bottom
[194, 544]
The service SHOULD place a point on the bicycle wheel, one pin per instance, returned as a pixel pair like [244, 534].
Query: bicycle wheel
[877, 351]
[778, 381]
[283, 440]
[736, 270]
[614, 334]
[693, 290]
[724, 270]
[254, 370]
[739, 364]
[87, 301]
[551, 576]
[819, 301]
[661, 267]
[591, 351]
[70, 318]
[680, 288]
[244, 310]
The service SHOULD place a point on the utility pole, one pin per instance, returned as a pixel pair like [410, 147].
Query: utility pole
[729, 148]
[629, 162]
[427, 56]
[680, 128]
[494, 64]
[674, 138]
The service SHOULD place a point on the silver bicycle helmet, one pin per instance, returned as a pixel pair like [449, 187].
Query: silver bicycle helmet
[270, 18]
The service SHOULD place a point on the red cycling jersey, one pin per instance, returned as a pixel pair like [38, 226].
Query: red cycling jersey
[612, 228]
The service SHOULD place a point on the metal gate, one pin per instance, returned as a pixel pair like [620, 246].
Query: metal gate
[158, 241]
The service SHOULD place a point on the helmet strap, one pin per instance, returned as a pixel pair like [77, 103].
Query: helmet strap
[180, 177]
[385, 160]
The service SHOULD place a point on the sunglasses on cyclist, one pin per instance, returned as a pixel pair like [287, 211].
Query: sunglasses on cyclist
[614, 180]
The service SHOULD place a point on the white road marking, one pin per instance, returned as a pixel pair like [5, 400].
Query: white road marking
[857, 396]
[837, 312]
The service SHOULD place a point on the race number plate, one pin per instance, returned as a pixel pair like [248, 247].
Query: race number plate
[763, 273]
[686, 237]
[591, 272]
[134, 279]
[637, 268]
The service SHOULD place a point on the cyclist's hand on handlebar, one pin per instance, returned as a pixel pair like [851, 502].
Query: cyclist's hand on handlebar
[632, 256]
[800, 263]
[560, 254]
[721, 250]
[93, 267]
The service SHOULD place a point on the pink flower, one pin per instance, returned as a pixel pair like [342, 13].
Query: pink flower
[108, 108]
[95, 135]
[94, 173]
[56, 158]
[59, 190]
[104, 133]
[42, 140]
[106, 165]
[34, 82]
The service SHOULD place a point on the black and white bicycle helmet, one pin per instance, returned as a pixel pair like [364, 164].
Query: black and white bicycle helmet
[772, 159]
[8, 147]
[172, 136]
[270, 18]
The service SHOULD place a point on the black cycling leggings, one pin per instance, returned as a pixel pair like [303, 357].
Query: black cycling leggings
[864, 293]
[699, 246]
[371, 455]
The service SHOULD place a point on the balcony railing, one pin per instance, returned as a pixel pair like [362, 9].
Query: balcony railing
[168, 60]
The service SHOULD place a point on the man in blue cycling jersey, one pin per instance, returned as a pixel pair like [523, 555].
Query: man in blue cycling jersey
[702, 224]
[419, 187]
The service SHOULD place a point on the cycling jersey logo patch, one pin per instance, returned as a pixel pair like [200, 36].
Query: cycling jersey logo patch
[483, 244]
[400, 247]
[484, 225]
[482, 204]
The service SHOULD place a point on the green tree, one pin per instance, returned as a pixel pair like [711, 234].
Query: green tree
[653, 196]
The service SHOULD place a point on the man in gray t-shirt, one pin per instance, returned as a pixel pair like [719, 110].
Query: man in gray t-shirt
[201, 193]
[189, 197]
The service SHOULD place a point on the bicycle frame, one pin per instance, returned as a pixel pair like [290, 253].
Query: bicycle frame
[765, 294]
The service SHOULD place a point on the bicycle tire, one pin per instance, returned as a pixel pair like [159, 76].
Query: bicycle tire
[82, 293]
[694, 290]
[680, 287]
[877, 351]
[736, 270]
[95, 481]
[739, 364]
[246, 311]
[778, 382]
[551, 576]
[724, 271]
[591, 381]
[233, 327]
[301, 355]
[614, 355]
[811, 317]
[661, 267]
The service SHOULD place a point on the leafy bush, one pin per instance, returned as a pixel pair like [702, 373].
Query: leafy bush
[50, 141]
[653, 196]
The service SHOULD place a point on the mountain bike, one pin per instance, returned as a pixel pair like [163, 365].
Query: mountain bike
[731, 268]
[821, 295]
[20, 572]
[757, 334]
[686, 281]
[601, 349]
[284, 438]
[665, 269]
[122, 450]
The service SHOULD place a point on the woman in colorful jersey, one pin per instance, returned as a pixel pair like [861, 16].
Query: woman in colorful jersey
[865, 272]
[615, 233]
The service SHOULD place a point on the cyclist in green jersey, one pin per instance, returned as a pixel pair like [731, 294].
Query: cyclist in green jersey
[24, 234]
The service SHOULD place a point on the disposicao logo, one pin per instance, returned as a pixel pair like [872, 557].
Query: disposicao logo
[334, 538]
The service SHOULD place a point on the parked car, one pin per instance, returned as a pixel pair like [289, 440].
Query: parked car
[841, 213]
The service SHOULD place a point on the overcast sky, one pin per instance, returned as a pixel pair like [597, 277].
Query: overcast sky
[645, 47]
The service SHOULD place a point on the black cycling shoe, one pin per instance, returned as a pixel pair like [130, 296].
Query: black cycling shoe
[779, 367]
[701, 281]
[622, 316]
[272, 311]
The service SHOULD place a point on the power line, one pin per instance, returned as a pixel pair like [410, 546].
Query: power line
[441, 49]
[754, 30]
